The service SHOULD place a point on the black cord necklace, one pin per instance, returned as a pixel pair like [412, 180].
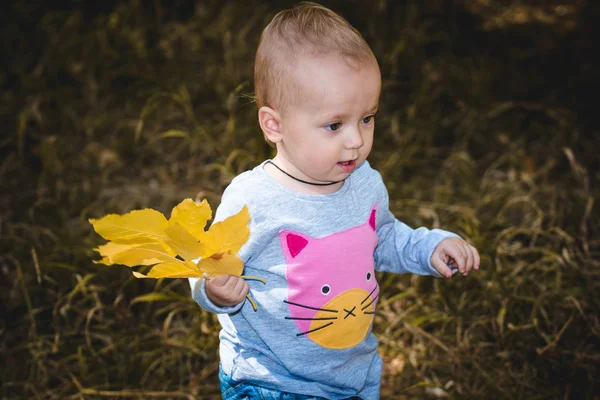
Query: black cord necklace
[300, 180]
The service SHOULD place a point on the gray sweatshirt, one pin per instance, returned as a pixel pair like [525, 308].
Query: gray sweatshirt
[312, 333]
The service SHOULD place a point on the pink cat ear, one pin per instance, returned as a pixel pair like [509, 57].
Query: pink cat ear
[294, 243]
[373, 217]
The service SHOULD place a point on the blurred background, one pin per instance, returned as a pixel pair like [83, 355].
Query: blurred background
[488, 127]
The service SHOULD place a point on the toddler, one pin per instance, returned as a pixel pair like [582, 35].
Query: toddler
[320, 223]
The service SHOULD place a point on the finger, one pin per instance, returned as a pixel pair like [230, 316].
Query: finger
[447, 259]
[457, 254]
[239, 290]
[468, 259]
[243, 290]
[228, 293]
[217, 281]
[465, 258]
[231, 283]
[235, 290]
[220, 287]
[441, 267]
[213, 285]
[476, 258]
[217, 293]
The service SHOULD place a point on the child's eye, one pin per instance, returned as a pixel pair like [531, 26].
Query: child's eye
[333, 127]
[368, 119]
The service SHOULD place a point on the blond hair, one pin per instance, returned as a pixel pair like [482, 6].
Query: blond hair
[308, 28]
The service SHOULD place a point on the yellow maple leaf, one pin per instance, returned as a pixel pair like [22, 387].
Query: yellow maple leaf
[227, 235]
[192, 216]
[221, 264]
[135, 225]
[183, 243]
[143, 254]
[181, 269]
[145, 237]
[110, 249]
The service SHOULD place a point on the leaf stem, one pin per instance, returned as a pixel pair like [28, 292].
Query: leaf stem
[252, 302]
[253, 278]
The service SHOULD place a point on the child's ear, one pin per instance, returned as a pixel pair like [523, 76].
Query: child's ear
[270, 123]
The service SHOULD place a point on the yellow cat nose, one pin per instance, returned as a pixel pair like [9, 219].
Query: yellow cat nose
[349, 326]
[350, 312]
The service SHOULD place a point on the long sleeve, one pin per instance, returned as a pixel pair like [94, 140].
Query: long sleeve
[199, 295]
[230, 205]
[402, 249]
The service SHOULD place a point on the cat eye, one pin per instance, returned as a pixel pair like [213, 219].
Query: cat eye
[325, 289]
[368, 276]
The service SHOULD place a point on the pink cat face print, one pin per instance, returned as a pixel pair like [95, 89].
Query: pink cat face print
[332, 288]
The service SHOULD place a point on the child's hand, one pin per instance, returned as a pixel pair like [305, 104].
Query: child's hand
[226, 290]
[456, 252]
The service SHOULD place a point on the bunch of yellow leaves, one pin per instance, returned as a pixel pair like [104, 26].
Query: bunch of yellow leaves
[178, 247]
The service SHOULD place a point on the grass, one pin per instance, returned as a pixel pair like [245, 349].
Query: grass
[485, 129]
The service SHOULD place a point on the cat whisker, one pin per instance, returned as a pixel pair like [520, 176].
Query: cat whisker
[316, 329]
[371, 302]
[367, 298]
[311, 319]
[369, 312]
[310, 308]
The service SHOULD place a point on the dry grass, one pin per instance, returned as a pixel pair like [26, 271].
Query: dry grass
[483, 131]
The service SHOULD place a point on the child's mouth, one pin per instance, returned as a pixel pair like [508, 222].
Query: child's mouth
[347, 166]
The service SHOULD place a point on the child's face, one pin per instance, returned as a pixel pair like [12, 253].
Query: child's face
[327, 132]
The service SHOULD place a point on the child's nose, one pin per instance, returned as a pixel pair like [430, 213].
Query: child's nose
[355, 139]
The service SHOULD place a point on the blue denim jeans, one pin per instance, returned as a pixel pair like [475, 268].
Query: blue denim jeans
[232, 390]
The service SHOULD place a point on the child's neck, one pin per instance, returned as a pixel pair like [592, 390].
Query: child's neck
[293, 184]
